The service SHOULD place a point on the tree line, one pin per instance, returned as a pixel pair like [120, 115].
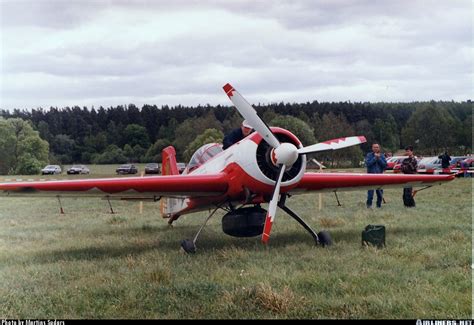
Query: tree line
[126, 133]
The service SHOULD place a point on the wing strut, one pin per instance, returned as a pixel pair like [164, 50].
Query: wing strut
[337, 199]
[61, 210]
[110, 205]
[421, 189]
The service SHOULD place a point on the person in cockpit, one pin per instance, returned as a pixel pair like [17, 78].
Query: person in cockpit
[237, 134]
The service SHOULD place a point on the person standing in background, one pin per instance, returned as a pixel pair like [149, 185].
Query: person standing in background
[445, 159]
[375, 163]
[409, 166]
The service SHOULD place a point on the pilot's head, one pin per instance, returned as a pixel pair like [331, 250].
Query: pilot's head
[246, 128]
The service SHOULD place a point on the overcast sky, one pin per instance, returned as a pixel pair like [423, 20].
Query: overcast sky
[110, 52]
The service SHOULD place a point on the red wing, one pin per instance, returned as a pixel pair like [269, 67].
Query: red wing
[351, 181]
[129, 187]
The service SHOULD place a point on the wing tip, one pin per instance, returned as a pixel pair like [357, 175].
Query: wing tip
[228, 89]
[362, 139]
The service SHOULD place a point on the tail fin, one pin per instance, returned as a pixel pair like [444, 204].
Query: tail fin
[169, 165]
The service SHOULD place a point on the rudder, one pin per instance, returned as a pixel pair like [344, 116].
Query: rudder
[169, 166]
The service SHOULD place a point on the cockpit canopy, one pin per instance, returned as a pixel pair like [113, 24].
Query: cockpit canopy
[202, 155]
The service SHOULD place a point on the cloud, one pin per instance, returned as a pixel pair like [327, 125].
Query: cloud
[58, 53]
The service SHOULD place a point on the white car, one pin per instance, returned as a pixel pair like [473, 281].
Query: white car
[51, 170]
[78, 169]
[429, 165]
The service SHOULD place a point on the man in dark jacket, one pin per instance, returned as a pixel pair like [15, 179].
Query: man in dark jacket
[375, 163]
[445, 159]
[409, 166]
[237, 135]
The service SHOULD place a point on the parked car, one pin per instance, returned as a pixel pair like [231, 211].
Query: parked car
[463, 167]
[51, 170]
[391, 162]
[469, 162]
[397, 168]
[152, 168]
[456, 161]
[181, 167]
[429, 165]
[127, 169]
[78, 169]
[466, 167]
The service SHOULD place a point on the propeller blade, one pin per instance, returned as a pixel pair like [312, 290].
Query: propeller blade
[333, 144]
[249, 113]
[272, 207]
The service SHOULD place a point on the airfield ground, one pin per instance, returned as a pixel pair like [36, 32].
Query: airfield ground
[91, 264]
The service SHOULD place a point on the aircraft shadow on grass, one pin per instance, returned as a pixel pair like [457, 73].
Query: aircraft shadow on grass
[212, 244]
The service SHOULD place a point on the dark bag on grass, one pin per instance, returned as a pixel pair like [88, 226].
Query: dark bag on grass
[374, 235]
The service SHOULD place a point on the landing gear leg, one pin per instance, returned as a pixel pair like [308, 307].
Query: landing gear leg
[321, 238]
[189, 246]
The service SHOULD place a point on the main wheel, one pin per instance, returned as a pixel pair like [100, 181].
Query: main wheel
[244, 222]
[324, 238]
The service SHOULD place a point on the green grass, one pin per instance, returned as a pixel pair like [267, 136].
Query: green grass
[91, 264]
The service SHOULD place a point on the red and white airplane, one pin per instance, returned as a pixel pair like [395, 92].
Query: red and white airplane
[269, 165]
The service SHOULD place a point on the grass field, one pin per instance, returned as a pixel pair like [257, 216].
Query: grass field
[91, 264]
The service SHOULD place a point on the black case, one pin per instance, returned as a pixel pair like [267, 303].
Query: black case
[374, 235]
